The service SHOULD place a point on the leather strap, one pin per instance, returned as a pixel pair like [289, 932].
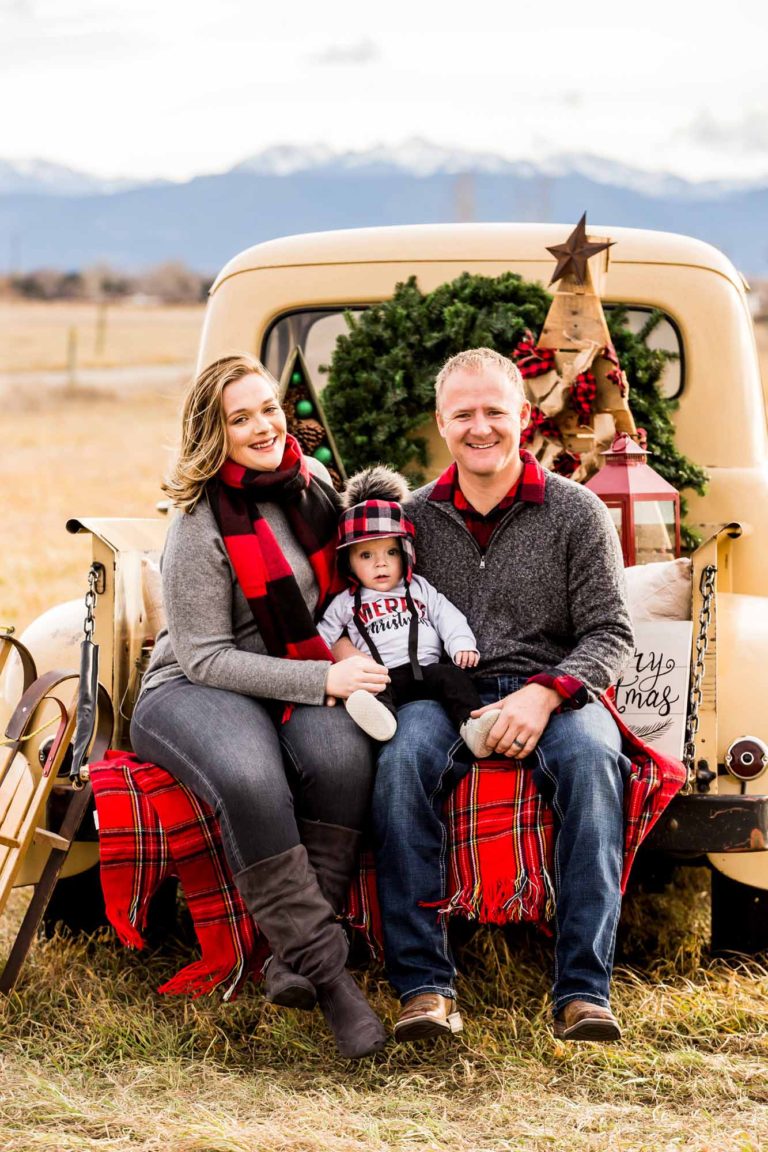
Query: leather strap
[28, 669]
[41, 690]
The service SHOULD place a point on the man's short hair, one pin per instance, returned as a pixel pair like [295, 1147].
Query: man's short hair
[475, 360]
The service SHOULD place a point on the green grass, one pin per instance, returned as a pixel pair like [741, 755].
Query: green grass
[91, 1058]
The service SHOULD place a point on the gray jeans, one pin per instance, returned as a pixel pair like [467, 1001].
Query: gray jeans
[259, 782]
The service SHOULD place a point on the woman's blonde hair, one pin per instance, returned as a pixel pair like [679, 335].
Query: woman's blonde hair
[203, 447]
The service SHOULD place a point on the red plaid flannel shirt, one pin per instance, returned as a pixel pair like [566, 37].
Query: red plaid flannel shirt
[528, 488]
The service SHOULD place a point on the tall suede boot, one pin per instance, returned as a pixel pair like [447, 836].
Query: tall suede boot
[332, 850]
[283, 896]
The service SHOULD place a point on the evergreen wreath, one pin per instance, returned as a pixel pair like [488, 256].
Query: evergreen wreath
[381, 378]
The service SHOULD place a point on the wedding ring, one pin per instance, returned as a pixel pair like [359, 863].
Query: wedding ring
[519, 743]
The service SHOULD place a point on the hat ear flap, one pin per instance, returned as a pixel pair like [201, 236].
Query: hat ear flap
[408, 553]
[343, 566]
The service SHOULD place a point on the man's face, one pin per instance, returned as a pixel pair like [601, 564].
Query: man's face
[480, 419]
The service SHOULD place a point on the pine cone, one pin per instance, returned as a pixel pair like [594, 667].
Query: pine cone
[338, 483]
[289, 407]
[310, 434]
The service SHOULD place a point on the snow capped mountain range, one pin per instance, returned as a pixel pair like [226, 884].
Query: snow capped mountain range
[53, 216]
[414, 157]
[418, 157]
[44, 178]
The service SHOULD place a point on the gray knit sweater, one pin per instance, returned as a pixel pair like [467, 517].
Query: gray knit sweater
[212, 637]
[547, 596]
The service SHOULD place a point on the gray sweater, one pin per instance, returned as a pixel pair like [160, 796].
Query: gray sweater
[547, 596]
[212, 637]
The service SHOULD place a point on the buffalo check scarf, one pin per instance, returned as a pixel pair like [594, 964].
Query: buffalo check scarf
[501, 836]
[263, 573]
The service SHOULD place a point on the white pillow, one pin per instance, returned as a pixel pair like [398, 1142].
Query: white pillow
[660, 591]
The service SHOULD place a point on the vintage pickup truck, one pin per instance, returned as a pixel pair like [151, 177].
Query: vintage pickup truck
[292, 293]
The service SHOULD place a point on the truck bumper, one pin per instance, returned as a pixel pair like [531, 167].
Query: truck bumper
[698, 824]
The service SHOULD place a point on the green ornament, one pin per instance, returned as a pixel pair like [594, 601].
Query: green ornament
[323, 454]
[296, 377]
[304, 408]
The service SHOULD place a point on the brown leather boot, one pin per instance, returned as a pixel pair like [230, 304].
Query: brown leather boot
[284, 898]
[427, 1016]
[580, 1020]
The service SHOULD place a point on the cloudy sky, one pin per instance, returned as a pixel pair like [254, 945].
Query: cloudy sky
[172, 88]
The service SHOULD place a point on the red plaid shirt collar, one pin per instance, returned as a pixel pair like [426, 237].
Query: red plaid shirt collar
[529, 488]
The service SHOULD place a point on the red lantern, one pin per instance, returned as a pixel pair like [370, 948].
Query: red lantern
[643, 506]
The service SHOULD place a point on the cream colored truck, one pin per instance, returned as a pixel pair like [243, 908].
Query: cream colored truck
[292, 293]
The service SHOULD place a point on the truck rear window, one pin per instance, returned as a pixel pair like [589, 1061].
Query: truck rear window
[315, 332]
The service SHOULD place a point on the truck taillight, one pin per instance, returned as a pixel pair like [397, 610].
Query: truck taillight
[747, 758]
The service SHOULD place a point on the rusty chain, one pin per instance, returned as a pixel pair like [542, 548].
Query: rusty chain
[95, 588]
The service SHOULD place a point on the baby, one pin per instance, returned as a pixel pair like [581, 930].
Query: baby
[398, 618]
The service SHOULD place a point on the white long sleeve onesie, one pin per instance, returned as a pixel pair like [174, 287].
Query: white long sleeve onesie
[386, 617]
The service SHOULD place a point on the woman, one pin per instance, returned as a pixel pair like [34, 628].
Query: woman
[247, 562]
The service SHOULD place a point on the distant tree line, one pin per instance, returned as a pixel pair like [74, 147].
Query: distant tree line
[169, 283]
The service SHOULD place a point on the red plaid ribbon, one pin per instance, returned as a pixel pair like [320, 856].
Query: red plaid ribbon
[265, 576]
[151, 828]
[532, 360]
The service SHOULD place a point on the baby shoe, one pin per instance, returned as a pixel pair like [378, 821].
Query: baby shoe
[474, 733]
[371, 715]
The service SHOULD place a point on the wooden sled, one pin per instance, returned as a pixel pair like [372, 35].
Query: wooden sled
[24, 796]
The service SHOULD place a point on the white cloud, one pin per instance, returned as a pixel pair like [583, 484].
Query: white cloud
[363, 51]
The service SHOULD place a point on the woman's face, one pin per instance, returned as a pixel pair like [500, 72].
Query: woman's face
[255, 423]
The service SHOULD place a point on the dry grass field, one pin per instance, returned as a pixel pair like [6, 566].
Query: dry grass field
[37, 336]
[92, 1060]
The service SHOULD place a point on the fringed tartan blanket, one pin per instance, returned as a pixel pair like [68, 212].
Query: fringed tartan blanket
[501, 836]
[151, 828]
[501, 840]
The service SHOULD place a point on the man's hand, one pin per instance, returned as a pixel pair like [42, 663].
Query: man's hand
[466, 659]
[524, 716]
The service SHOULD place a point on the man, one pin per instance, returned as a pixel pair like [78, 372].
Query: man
[533, 561]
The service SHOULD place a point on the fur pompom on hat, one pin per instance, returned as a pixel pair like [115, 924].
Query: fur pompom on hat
[372, 499]
[376, 483]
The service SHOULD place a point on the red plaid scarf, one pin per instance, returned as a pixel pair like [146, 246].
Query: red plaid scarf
[150, 828]
[311, 507]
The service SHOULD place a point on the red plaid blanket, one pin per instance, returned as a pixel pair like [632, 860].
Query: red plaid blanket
[501, 838]
[150, 828]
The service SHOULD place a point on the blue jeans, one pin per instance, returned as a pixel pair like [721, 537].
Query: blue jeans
[258, 778]
[578, 766]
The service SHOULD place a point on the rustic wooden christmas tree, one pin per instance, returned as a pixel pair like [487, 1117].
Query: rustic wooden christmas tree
[306, 419]
[572, 374]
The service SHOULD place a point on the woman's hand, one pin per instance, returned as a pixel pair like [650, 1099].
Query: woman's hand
[467, 659]
[524, 716]
[354, 673]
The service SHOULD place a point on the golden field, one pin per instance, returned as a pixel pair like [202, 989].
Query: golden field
[38, 336]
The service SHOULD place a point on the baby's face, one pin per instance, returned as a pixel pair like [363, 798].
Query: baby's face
[377, 563]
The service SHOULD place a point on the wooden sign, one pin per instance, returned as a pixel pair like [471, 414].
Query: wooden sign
[652, 690]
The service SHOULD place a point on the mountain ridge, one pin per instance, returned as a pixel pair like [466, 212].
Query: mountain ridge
[205, 220]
